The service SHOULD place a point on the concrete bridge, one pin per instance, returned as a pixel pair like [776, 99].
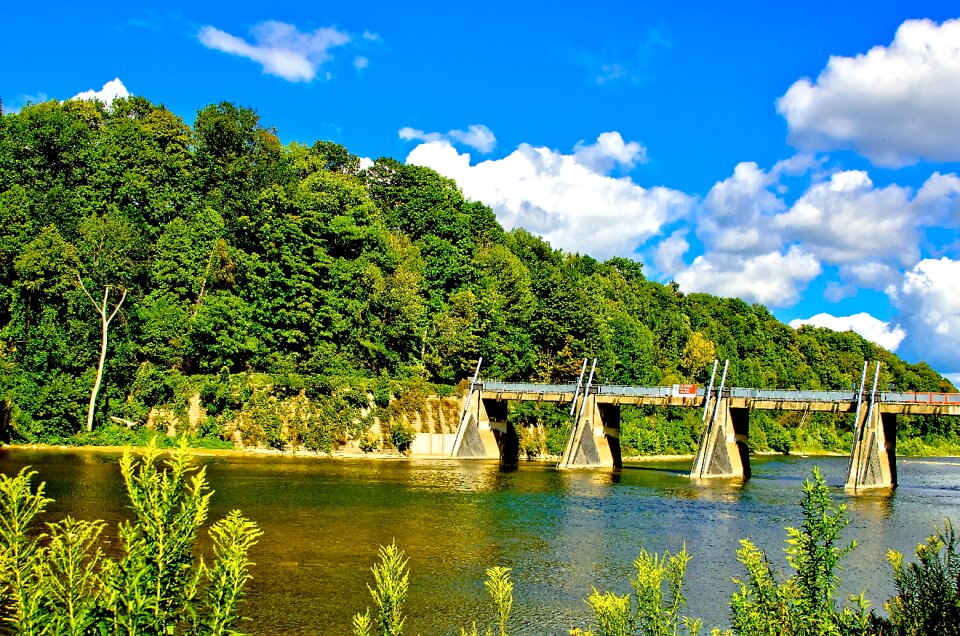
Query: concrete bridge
[594, 439]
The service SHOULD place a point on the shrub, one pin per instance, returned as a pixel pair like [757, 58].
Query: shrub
[649, 610]
[928, 591]
[402, 436]
[500, 588]
[801, 605]
[59, 582]
[778, 438]
[533, 441]
[391, 583]
[370, 443]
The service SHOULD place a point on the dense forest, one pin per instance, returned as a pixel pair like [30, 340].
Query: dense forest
[230, 262]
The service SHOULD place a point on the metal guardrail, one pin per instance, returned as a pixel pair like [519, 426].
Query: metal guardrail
[912, 397]
[782, 395]
[527, 387]
[642, 391]
[793, 395]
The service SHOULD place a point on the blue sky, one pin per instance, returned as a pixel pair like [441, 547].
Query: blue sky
[803, 156]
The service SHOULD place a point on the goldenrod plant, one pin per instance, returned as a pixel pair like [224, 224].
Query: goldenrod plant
[928, 591]
[650, 610]
[59, 582]
[389, 592]
[804, 604]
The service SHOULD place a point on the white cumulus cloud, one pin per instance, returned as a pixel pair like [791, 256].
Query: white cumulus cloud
[774, 278]
[609, 151]
[476, 136]
[930, 308]
[895, 105]
[110, 91]
[280, 48]
[873, 329]
[870, 233]
[573, 205]
[668, 254]
[847, 219]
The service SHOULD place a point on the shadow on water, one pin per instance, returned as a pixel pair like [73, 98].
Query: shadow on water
[657, 469]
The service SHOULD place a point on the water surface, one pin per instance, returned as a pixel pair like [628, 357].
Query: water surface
[562, 532]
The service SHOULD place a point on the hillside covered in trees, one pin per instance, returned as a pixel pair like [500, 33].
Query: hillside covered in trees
[237, 256]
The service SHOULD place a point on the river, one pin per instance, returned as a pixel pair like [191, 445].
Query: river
[562, 532]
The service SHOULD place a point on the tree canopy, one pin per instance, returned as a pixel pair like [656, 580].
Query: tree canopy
[238, 253]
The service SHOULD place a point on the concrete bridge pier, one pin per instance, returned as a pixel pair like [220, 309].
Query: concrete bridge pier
[484, 432]
[594, 440]
[722, 451]
[873, 458]
[475, 437]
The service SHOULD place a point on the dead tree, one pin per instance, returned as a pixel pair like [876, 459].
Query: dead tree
[104, 325]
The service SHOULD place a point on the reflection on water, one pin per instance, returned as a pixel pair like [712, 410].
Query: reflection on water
[562, 532]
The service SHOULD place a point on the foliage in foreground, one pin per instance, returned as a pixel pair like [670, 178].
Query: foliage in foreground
[928, 591]
[767, 603]
[804, 604]
[59, 581]
[648, 610]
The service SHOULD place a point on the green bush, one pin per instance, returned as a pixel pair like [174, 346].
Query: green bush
[802, 605]
[650, 610]
[928, 591]
[60, 582]
[402, 436]
[370, 443]
[779, 439]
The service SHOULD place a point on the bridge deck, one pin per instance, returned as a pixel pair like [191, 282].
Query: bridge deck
[918, 403]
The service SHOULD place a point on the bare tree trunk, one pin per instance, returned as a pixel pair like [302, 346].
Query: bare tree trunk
[104, 325]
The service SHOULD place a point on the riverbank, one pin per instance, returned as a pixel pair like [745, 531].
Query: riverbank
[350, 453]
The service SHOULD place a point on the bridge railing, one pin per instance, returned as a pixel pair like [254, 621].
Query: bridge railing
[915, 397]
[782, 395]
[642, 391]
[527, 387]
[793, 395]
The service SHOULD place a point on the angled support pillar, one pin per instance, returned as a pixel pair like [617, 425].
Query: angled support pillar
[873, 458]
[594, 440]
[722, 451]
[475, 438]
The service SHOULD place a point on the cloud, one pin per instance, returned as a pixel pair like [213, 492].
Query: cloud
[477, 136]
[280, 48]
[366, 162]
[843, 219]
[361, 62]
[884, 334]
[774, 278]
[609, 151]
[736, 212]
[22, 100]
[110, 91]
[930, 307]
[895, 105]
[616, 66]
[846, 219]
[573, 205]
[668, 254]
